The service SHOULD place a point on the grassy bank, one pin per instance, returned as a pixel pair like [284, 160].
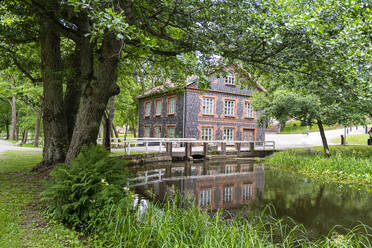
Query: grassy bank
[21, 222]
[294, 127]
[353, 139]
[348, 164]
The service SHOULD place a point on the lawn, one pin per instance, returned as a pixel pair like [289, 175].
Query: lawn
[294, 127]
[22, 224]
[354, 139]
[347, 164]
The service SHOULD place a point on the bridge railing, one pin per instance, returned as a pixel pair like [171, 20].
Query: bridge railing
[187, 143]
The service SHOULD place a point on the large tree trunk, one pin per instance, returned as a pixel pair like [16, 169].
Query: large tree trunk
[324, 139]
[95, 95]
[37, 128]
[13, 126]
[24, 136]
[54, 121]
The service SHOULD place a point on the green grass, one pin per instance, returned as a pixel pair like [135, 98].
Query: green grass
[294, 127]
[24, 145]
[354, 139]
[348, 164]
[22, 224]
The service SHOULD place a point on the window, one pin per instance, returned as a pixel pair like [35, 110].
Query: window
[172, 105]
[228, 134]
[207, 106]
[147, 132]
[247, 191]
[229, 107]
[157, 132]
[158, 107]
[205, 197]
[230, 78]
[229, 169]
[227, 194]
[207, 133]
[171, 132]
[248, 110]
[147, 108]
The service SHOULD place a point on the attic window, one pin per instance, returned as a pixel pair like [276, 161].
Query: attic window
[230, 79]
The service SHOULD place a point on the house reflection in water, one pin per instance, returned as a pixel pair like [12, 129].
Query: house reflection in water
[227, 185]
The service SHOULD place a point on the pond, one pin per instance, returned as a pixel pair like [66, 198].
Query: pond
[245, 186]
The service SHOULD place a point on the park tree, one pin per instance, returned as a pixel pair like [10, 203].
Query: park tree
[82, 44]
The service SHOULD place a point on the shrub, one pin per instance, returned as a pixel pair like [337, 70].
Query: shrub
[79, 193]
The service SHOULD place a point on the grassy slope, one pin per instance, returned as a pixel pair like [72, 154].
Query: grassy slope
[348, 164]
[354, 139]
[298, 129]
[21, 223]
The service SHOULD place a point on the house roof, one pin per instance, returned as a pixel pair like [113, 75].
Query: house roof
[167, 86]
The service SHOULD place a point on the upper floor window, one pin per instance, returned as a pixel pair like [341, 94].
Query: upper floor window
[228, 134]
[205, 197]
[230, 79]
[158, 107]
[208, 105]
[248, 110]
[147, 108]
[172, 105]
[229, 169]
[229, 107]
[207, 133]
[247, 191]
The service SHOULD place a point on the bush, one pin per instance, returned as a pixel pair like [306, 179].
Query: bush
[79, 193]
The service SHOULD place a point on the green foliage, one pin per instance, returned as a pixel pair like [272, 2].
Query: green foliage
[348, 164]
[79, 192]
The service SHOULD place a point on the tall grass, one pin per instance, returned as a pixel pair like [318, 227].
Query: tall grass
[172, 226]
[346, 165]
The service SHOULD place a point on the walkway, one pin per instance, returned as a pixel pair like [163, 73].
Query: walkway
[284, 141]
[7, 146]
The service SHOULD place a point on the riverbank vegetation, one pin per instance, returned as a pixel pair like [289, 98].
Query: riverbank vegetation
[106, 217]
[347, 164]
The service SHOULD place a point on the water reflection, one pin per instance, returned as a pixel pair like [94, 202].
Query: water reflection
[241, 185]
[228, 186]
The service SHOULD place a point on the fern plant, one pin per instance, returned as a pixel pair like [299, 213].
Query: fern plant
[79, 193]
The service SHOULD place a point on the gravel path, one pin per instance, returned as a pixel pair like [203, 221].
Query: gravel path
[6, 146]
[284, 141]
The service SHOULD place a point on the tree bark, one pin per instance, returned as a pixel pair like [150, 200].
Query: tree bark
[324, 139]
[37, 128]
[54, 121]
[13, 126]
[95, 94]
[114, 129]
[7, 129]
[106, 131]
[24, 136]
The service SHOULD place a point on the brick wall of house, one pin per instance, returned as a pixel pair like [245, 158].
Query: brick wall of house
[164, 120]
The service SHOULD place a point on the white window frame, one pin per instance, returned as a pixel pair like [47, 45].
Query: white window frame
[147, 132]
[230, 78]
[249, 113]
[205, 197]
[208, 106]
[229, 169]
[229, 107]
[207, 133]
[157, 131]
[147, 108]
[247, 191]
[228, 194]
[158, 107]
[228, 134]
[174, 132]
[172, 105]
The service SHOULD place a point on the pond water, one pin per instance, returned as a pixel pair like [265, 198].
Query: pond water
[244, 186]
